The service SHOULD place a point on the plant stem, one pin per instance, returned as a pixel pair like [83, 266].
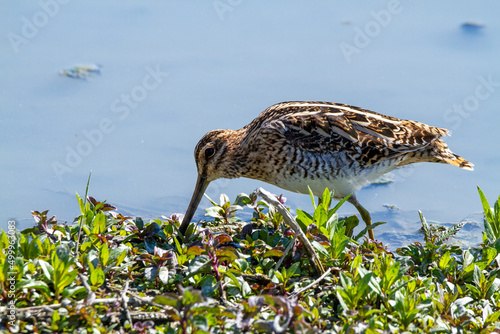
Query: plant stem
[77, 247]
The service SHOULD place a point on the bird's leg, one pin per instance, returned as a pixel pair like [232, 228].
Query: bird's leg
[365, 215]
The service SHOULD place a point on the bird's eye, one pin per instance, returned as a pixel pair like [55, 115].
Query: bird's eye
[209, 152]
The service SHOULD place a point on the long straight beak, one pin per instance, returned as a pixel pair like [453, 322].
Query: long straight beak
[199, 190]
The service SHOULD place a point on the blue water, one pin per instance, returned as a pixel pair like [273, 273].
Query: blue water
[172, 70]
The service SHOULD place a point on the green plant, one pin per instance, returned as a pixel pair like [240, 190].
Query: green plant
[491, 220]
[284, 276]
[59, 273]
[127, 269]
[223, 212]
[210, 256]
[191, 309]
[424, 257]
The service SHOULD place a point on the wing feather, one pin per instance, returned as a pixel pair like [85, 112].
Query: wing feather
[316, 126]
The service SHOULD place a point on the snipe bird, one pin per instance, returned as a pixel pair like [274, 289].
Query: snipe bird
[296, 145]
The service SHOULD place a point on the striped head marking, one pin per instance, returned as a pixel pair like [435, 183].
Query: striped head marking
[210, 154]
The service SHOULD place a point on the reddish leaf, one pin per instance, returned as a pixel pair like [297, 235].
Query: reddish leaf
[322, 239]
[222, 238]
[298, 310]
[226, 253]
[273, 252]
[289, 232]
[312, 228]
[247, 230]
[270, 286]
[195, 250]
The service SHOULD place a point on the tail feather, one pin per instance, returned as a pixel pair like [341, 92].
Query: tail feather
[441, 152]
[459, 162]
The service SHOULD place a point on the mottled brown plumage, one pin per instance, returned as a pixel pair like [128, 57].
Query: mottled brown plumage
[296, 145]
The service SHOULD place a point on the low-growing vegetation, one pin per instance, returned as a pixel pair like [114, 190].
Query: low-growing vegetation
[109, 273]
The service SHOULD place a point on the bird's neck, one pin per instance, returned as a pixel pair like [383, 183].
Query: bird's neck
[247, 158]
[236, 156]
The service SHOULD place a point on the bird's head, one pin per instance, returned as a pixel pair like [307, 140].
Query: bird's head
[210, 155]
[212, 161]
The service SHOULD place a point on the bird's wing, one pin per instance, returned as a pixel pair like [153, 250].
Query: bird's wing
[324, 126]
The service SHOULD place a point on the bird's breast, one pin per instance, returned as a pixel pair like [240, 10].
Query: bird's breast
[298, 170]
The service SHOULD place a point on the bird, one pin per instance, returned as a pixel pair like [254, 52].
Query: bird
[302, 145]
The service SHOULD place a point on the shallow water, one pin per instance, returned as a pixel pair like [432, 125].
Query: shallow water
[171, 71]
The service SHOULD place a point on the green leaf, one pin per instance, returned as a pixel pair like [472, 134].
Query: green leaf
[242, 264]
[117, 255]
[273, 252]
[211, 200]
[425, 226]
[226, 254]
[331, 224]
[191, 297]
[178, 246]
[209, 285]
[245, 289]
[350, 224]
[243, 199]
[97, 277]
[312, 197]
[339, 204]
[72, 291]
[56, 318]
[67, 279]
[195, 250]
[199, 263]
[224, 199]
[291, 271]
[320, 216]
[444, 262]
[365, 230]
[150, 273]
[319, 248]
[163, 275]
[304, 219]
[150, 244]
[35, 248]
[449, 232]
[342, 297]
[170, 299]
[81, 204]
[99, 223]
[104, 254]
[363, 285]
[474, 290]
[490, 228]
[326, 199]
[373, 282]
[33, 284]
[494, 285]
[462, 301]
[390, 276]
[279, 276]
[63, 253]
[87, 231]
[496, 207]
[200, 322]
[468, 258]
[478, 276]
[47, 269]
[489, 254]
[233, 279]
[151, 230]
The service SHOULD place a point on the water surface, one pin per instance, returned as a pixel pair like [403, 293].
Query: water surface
[171, 71]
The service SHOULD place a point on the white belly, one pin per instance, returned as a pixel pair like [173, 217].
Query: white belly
[342, 184]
